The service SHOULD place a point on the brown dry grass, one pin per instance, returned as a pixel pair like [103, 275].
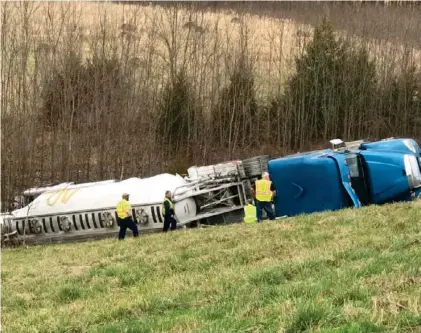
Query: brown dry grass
[272, 43]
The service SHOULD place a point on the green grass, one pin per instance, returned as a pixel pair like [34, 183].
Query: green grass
[345, 272]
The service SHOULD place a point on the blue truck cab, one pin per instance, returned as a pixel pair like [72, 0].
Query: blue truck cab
[404, 145]
[331, 179]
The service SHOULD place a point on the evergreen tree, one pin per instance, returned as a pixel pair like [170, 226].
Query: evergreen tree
[330, 89]
[177, 114]
[237, 109]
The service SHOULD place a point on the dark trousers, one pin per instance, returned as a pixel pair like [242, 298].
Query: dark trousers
[267, 206]
[169, 220]
[127, 223]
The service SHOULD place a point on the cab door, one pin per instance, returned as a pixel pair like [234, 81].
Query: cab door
[359, 179]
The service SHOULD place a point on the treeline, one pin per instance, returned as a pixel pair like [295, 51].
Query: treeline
[159, 90]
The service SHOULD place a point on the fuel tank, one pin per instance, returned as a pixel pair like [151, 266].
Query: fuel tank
[68, 210]
[85, 197]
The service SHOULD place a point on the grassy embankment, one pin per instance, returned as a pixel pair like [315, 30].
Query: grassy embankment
[350, 271]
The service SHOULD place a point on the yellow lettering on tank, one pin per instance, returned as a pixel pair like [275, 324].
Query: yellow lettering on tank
[64, 194]
[55, 194]
[67, 195]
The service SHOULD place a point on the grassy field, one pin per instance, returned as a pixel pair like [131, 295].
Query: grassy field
[351, 271]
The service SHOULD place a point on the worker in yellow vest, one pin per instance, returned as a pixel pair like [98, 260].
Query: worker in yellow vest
[124, 217]
[249, 212]
[168, 212]
[264, 191]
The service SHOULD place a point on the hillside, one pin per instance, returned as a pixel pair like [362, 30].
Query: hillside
[349, 271]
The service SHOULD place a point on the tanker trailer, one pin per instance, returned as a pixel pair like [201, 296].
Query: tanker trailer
[69, 212]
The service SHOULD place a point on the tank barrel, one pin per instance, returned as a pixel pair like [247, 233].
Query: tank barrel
[39, 190]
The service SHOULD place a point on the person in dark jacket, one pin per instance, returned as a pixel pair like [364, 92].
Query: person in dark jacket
[168, 212]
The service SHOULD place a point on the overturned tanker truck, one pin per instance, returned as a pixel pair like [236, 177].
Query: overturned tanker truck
[351, 174]
[71, 212]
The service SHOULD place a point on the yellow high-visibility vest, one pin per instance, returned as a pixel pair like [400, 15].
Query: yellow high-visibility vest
[250, 213]
[122, 208]
[263, 192]
[163, 205]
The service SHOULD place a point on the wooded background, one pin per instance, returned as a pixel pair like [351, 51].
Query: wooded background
[94, 91]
